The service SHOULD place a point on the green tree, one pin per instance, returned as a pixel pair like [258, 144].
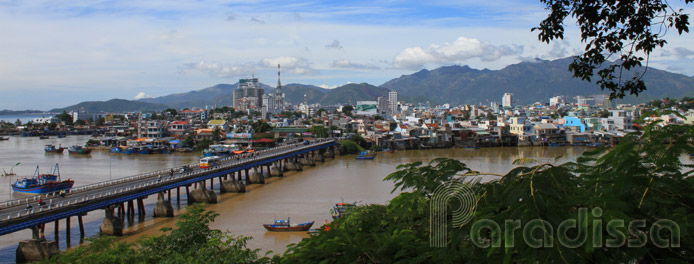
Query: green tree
[620, 30]
[172, 112]
[65, 118]
[261, 126]
[192, 241]
[217, 134]
[319, 131]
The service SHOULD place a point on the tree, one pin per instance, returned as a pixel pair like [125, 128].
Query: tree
[319, 131]
[217, 134]
[621, 30]
[192, 241]
[172, 112]
[65, 118]
[260, 126]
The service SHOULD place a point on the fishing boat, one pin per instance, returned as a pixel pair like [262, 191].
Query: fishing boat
[284, 225]
[341, 209]
[6, 173]
[52, 149]
[594, 145]
[366, 155]
[44, 137]
[79, 150]
[4, 138]
[42, 183]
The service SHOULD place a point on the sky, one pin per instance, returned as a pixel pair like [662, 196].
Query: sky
[56, 53]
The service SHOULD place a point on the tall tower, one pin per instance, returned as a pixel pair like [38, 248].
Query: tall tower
[279, 96]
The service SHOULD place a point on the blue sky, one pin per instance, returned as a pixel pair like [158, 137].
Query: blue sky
[56, 53]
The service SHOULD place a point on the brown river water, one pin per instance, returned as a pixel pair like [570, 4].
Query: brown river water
[303, 196]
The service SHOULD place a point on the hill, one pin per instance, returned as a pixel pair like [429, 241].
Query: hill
[528, 81]
[113, 106]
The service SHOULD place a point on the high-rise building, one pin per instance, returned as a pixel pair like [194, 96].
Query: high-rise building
[556, 101]
[393, 102]
[248, 95]
[507, 100]
[382, 103]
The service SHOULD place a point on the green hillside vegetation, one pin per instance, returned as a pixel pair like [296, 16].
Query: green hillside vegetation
[529, 82]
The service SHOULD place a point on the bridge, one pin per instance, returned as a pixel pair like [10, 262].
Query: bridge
[121, 198]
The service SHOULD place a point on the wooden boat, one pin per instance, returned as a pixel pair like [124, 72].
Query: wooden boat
[44, 137]
[387, 150]
[52, 149]
[341, 209]
[366, 155]
[284, 225]
[594, 145]
[4, 138]
[42, 183]
[79, 150]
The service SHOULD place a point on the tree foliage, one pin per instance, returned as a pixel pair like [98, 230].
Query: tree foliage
[192, 241]
[627, 31]
[641, 180]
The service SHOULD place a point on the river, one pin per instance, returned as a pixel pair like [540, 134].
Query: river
[303, 196]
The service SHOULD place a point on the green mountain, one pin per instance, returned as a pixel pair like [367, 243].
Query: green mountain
[294, 93]
[113, 106]
[351, 93]
[529, 82]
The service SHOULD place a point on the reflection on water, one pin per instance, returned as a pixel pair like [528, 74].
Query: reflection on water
[303, 196]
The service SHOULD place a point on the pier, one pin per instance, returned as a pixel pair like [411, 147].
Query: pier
[123, 198]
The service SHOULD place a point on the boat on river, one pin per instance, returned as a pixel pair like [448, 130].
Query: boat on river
[366, 155]
[285, 225]
[43, 183]
[79, 150]
[341, 209]
[52, 149]
[4, 138]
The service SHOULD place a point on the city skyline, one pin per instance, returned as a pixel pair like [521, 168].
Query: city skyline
[58, 53]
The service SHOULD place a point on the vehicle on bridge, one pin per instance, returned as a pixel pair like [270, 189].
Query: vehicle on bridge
[42, 183]
[207, 162]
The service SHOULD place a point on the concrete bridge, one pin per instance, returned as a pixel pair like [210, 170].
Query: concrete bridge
[124, 197]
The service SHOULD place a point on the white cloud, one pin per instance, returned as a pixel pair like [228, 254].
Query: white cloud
[346, 64]
[294, 65]
[461, 49]
[219, 69]
[334, 45]
[141, 95]
[325, 86]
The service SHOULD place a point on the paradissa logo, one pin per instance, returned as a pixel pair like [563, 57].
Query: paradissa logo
[537, 233]
[573, 233]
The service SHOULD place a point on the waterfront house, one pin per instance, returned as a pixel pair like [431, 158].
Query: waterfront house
[179, 129]
[218, 123]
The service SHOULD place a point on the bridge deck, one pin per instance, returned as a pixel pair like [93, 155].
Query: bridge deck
[14, 216]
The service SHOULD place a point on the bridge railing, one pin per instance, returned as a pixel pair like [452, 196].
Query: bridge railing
[227, 162]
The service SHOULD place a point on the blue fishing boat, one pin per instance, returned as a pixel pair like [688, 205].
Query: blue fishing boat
[366, 155]
[284, 225]
[43, 183]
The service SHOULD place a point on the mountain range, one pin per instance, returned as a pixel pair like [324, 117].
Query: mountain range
[530, 82]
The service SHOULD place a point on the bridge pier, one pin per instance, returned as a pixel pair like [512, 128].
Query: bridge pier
[202, 195]
[306, 160]
[112, 225]
[163, 207]
[36, 250]
[232, 186]
[276, 170]
[318, 157]
[329, 153]
[256, 177]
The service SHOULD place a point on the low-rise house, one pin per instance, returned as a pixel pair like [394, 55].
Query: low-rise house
[179, 129]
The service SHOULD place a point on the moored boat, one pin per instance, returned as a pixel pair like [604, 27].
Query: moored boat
[4, 138]
[52, 149]
[285, 225]
[42, 183]
[79, 150]
[366, 155]
[341, 209]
